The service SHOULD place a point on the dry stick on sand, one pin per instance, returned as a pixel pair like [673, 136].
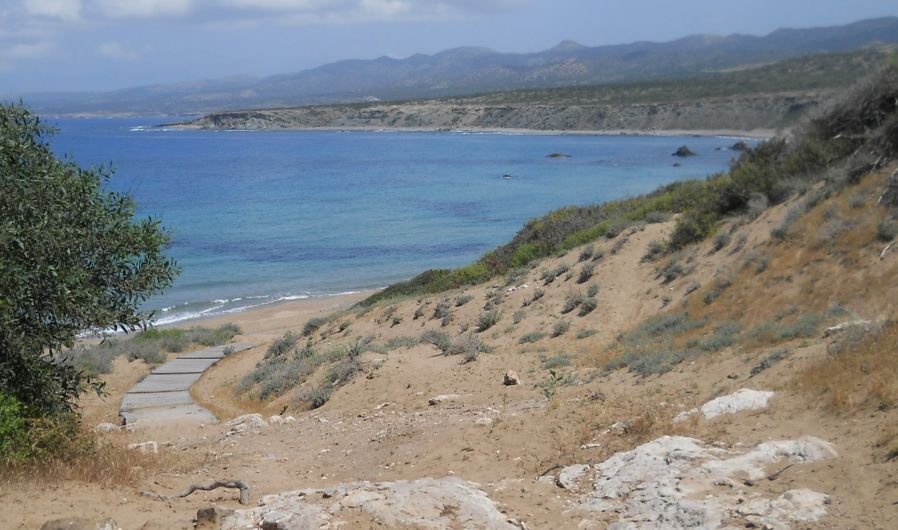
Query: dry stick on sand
[235, 484]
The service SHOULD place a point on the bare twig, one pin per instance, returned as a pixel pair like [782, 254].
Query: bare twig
[774, 476]
[235, 484]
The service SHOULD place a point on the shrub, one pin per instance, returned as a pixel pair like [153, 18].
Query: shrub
[654, 250]
[558, 361]
[518, 317]
[282, 345]
[586, 273]
[720, 242]
[537, 294]
[886, 230]
[673, 270]
[769, 361]
[531, 337]
[586, 333]
[586, 254]
[463, 299]
[440, 339]
[721, 285]
[571, 302]
[419, 312]
[781, 231]
[588, 306]
[487, 320]
[592, 290]
[401, 342]
[442, 309]
[312, 326]
[561, 327]
[468, 346]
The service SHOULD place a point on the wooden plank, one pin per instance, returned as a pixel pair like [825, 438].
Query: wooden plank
[165, 383]
[185, 366]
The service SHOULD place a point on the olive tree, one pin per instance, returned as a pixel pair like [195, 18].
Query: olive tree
[73, 257]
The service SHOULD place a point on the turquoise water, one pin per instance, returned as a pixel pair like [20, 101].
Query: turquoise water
[264, 216]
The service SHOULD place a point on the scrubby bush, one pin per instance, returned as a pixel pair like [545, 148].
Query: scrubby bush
[588, 305]
[654, 250]
[586, 333]
[592, 290]
[533, 336]
[487, 319]
[463, 299]
[586, 273]
[561, 327]
[886, 230]
[571, 302]
[586, 253]
[312, 326]
[282, 345]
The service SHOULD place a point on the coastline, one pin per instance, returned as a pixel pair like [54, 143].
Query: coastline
[760, 134]
[273, 318]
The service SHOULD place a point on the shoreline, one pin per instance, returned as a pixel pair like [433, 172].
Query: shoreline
[760, 134]
[277, 315]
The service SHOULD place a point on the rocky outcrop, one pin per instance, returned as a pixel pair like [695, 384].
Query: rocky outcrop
[683, 151]
[435, 504]
[679, 482]
[741, 400]
[738, 113]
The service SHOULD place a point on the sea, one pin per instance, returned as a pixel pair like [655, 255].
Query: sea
[258, 217]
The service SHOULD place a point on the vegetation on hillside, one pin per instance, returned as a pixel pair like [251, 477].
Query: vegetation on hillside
[841, 144]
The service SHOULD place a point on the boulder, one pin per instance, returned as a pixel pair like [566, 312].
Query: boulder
[744, 399]
[740, 146]
[569, 477]
[442, 398]
[210, 518]
[511, 378]
[107, 427]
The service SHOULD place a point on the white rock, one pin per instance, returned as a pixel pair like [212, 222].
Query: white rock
[484, 422]
[744, 399]
[675, 482]
[437, 504]
[569, 477]
[145, 447]
[281, 420]
[442, 398]
[252, 421]
[800, 505]
[107, 427]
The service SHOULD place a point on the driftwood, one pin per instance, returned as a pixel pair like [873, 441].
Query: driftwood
[235, 484]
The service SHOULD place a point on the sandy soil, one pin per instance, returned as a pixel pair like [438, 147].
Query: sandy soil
[379, 425]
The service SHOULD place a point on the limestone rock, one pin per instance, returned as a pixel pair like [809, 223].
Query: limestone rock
[107, 427]
[241, 424]
[511, 378]
[145, 447]
[569, 477]
[484, 422]
[281, 420]
[442, 398]
[437, 504]
[81, 523]
[675, 482]
[744, 399]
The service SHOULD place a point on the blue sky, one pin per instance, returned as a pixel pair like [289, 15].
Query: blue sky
[61, 45]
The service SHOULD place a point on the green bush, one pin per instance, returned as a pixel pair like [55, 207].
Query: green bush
[312, 326]
[73, 257]
[588, 305]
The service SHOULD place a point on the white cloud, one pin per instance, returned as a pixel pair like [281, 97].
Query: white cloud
[114, 50]
[28, 51]
[62, 9]
[144, 8]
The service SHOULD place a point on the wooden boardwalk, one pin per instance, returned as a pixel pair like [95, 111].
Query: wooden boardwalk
[164, 395]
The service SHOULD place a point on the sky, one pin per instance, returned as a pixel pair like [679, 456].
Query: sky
[78, 45]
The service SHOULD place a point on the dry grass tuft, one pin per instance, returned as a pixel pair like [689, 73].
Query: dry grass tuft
[856, 376]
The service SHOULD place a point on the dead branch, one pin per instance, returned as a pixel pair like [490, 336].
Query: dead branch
[234, 484]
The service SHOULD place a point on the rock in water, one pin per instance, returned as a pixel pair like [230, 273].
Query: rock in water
[558, 155]
[683, 152]
[740, 146]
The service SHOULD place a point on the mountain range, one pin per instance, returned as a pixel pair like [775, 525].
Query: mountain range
[471, 70]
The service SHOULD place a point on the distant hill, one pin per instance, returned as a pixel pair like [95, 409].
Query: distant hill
[772, 96]
[462, 71]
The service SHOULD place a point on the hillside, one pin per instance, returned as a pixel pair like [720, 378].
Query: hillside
[765, 97]
[716, 354]
[471, 70]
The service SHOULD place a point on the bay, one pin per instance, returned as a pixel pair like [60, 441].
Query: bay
[261, 216]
